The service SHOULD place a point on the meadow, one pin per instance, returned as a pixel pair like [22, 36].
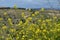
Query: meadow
[29, 25]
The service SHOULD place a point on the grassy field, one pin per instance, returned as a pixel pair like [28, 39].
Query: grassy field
[16, 24]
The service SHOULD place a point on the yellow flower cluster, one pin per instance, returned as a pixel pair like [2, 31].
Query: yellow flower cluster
[4, 27]
[37, 26]
[1, 19]
[5, 13]
[10, 21]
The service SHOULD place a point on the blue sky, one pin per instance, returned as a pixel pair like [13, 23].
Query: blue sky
[30, 3]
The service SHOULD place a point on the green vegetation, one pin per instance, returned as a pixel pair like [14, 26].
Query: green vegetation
[36, 26]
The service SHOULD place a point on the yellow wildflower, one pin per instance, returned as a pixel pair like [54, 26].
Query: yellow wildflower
[23, 38]
[29, 9]
[58, 24]
[5, 13]
[19, 32]
[12, 30]
[8, 34]
[7, 38]
[2, 36]
[58, 29]
[29, 18]
[27, 32]
[45, 37]
[15, 6]
[1, 19]
[44, 30]
[33, 15]
[51, 30]
[42, 9]
[39, 20]
[38, 30]
[25, 17]
[38, 39]
[48, 38]
[23, 14]
[48, 20]
[36, 12]
[31, 27]
[55, 17]
[10, 21]
[30, 39]
[4, 27]
[17, 37]
[27, 21]
[20, 23]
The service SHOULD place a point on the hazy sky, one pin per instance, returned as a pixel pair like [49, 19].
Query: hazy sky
[30, 3]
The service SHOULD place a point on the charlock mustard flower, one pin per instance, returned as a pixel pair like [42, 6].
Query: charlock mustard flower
[51, 30]
[43, 24]
[15, 6]
[55, 17]
[17, 37]
[37, 12]
[49, 39]
[44, 30]
[25, 17]
[42, 9]
[29, 9]
[29, 18]
[27, 32]
[38, 30]
[12, 30]
[33, 15]
[19, 32]
[48, 20]
[2, 36]
[10, 21]
[31, 27]
[4, 27]
[20, 23]
[27, 21]
[45, 36]
[22, 38]
[5, 13]
[58, 29]
[7, 38]
[30, 39]
[8, 34]
[23, 14]
[38, 39]
[39, 20]
[1, 19]
[58, 24]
